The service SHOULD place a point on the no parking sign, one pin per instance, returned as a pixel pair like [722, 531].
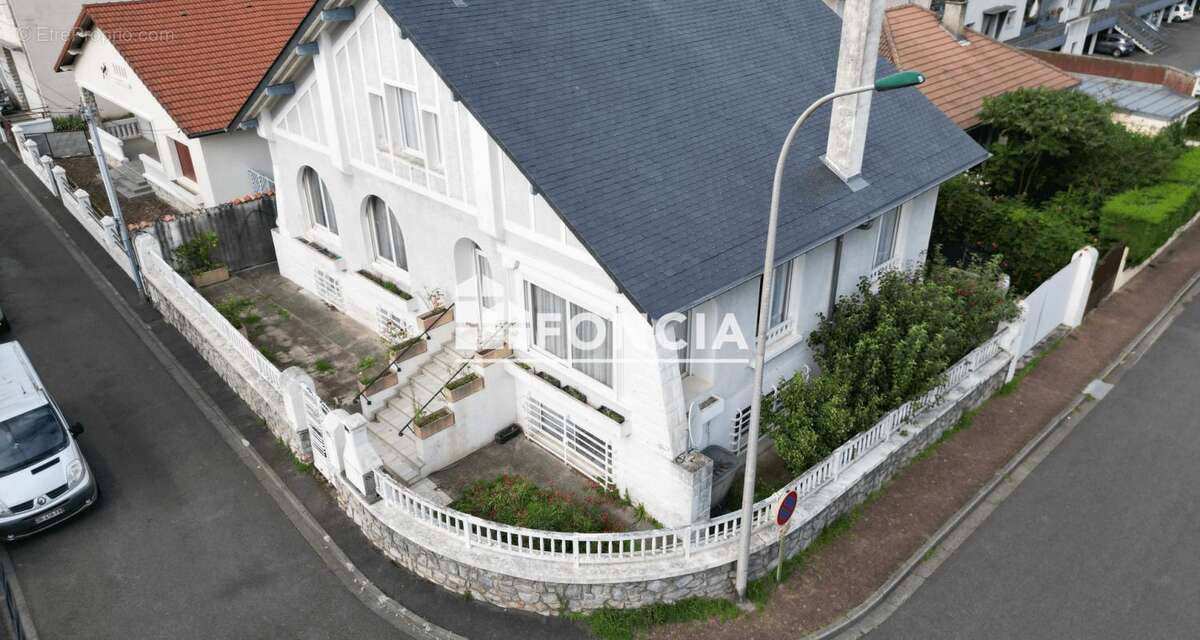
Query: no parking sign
[786, 508]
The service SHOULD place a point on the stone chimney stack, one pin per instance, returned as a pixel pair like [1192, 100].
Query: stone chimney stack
[862, 21]
[953, 16]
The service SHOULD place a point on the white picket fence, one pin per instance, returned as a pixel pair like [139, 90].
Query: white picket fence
[716, 535]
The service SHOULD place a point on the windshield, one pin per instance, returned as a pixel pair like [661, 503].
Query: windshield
[29, 437]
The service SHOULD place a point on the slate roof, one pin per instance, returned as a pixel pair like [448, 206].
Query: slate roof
[653, 127]
[1139, 98]
[958, 77]
[200, 58]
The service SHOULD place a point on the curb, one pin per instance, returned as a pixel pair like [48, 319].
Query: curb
[321, 542]
[853, 622]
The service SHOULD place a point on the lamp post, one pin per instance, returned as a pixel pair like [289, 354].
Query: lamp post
[889, 83]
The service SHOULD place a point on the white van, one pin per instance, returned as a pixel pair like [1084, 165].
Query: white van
[43, 477]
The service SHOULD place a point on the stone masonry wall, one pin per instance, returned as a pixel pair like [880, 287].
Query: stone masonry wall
[262, 399]
[552, 598]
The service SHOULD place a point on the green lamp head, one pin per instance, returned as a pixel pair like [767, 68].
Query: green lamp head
[900, 80]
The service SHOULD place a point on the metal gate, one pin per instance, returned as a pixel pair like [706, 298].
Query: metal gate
[576, 446]
[1105, 276]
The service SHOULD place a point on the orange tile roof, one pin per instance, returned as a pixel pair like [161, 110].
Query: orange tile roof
[200, 58]
[959, 77]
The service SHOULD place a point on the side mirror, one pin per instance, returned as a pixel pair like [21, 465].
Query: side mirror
[76, 430]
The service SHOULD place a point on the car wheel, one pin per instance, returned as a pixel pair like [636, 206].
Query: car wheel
[1116, 53]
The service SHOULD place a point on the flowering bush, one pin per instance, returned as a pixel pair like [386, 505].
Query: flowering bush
[883, 346]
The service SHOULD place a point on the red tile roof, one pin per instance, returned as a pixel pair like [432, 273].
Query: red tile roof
[958, 76]
[200, 58]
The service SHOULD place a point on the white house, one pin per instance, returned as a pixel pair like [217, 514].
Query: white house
[170, 77]
[600, 161]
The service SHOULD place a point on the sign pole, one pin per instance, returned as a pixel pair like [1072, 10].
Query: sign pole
[786, 508]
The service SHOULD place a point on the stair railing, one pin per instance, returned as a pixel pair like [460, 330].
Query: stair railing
[400, 356]
[454, 376]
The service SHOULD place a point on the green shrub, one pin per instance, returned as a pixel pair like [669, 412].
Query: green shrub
[196, 254]
[519, 502]
[1145, 218]
[237, 310]
[1186, 169]
[1036, 243]
[68, 123]
[882, 347]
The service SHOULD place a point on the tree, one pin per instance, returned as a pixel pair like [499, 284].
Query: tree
[1044, 136]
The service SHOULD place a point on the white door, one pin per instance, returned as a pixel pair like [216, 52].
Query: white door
[487, 296]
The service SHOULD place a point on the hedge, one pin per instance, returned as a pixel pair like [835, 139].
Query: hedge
[1186, 169]
[1146, 218]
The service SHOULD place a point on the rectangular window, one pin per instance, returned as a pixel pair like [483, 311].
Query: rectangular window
[781, 293]
[583, 339]
[433, 142]
[548, 314]
[591, 345]
[402, 120]
[379, 123]
[885, 248]
[683, 333]
[186, 168]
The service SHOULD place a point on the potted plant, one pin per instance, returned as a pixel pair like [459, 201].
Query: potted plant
[463, 386]
[612, 415]
[400, 344]
[575, 393]
[367, 372]
[196, 256]
[437, 315]
[426, 425]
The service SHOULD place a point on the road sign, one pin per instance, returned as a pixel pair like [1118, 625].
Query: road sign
[787, 508]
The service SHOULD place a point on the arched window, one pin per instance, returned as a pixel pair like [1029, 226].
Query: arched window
[385, 231]
[317, 202]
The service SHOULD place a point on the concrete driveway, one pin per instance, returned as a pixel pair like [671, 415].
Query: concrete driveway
[1100, 540]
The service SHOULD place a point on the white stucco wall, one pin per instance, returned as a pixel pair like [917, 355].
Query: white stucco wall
[974, 16]
[483, 198]
[220, 160]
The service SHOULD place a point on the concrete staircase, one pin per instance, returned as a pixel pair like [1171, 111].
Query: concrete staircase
[400, 454]
[1136, 29]
[129, 181]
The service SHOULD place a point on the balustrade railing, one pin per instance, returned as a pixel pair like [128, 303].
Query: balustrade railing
[718, 534]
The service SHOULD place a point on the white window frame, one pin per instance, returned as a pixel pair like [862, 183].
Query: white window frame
[310, 211]
[435, 152]
[379, 122]
[890, 261]
[410, 144]
[569, 337]
[391, 223]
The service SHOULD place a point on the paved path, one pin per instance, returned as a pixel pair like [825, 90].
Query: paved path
[1099, 541]
[185, 543]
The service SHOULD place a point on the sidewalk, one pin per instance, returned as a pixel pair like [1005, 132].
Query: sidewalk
[844, 573]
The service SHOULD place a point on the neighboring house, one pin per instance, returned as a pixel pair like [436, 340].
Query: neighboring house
[1075, 26]
[31, 34]
[1146, 97]
[598, 160]
[176, 72]
[962, 67]
[997, 19]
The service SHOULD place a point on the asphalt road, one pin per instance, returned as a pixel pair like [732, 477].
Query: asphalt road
[1100, 541]
[184, 543]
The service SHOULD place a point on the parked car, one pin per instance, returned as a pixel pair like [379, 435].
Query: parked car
[1180, 13]
[1115, 45]
[44, 479]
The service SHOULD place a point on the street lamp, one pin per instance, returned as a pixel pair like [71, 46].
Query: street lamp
[895, 81]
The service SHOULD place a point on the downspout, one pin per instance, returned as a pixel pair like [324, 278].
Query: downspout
[833, 278]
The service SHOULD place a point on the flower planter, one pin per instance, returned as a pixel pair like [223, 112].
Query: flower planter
[508, 433]
[436, 318]
[433, 423]
[387, 381]
[491, 356]
[210, 277]
[417, 348]
[468, 389]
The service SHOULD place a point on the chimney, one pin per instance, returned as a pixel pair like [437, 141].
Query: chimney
[953, 16]
[862, 21]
